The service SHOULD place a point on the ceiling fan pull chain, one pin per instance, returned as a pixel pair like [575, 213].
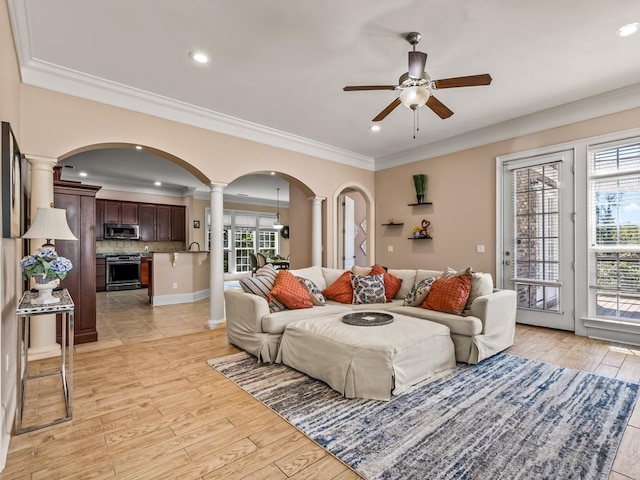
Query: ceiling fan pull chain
[415, 115]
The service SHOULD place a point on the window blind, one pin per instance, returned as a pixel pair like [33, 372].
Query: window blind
[614, 224]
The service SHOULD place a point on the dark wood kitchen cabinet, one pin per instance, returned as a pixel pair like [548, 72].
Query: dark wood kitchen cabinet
[170, 223]
[80, 203]
[147, 222]
[99, 220]
[101, 274]
[112, 211]
[129, 213]
[144, 272]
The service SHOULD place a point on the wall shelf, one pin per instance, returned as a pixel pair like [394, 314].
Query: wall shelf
[418, 204]
[420, 238]
[394, 224]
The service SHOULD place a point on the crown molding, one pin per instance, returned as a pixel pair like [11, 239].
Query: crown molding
[52, 77]
[604, 104]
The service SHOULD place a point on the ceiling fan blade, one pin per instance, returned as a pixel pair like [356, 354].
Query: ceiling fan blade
[439, 108]
[417, 63]
[381, 116]
[470, 81]
[369, 87]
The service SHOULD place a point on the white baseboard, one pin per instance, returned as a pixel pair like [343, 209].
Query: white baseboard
[8, 414]
[157, 300]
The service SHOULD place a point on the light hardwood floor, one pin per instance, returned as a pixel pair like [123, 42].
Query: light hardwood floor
[147, 409]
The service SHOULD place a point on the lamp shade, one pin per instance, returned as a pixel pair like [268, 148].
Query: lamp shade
[417, 95]
[51, 224]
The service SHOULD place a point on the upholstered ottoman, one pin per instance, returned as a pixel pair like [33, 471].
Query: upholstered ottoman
[367, 361]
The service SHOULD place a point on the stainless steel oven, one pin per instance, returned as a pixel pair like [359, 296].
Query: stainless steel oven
[123, 272]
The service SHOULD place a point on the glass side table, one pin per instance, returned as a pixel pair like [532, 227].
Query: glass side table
[26, 310]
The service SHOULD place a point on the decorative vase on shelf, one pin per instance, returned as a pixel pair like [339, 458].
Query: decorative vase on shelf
[45, 288]
[416, 234]
[420, 184]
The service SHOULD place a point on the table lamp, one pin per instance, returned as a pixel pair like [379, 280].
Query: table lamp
[51, 224]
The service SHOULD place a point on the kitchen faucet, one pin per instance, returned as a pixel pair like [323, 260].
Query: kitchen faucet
[191, 244]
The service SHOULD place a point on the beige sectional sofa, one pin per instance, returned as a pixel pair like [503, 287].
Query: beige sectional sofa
[485, 329]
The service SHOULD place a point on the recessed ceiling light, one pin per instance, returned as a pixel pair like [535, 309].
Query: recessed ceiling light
[629, 29]
[83, 174]
[199, 57]
[138, 147]
[273, 173]
[158, 184]
[374, 128]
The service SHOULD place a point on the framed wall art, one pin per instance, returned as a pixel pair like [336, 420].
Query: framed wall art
[12, 188]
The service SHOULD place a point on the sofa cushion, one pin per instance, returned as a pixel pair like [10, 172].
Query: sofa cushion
[312, 273]
[331, 275]
[448, 295]
[340, 290]
[314, 291]
[290, 292]
[451, 272]
[481, 284]
[408, 278]
[391, 282]
[276, 322]
[368, 289]
[365, 307]
[261, 285]
[418, 293]
[358, 270]
[467, 326]
[422, 274]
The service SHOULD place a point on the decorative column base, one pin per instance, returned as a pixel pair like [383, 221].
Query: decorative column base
[213, 324]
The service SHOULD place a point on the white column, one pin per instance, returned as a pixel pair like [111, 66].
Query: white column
[43, 327]
[216, 257]
[316, 231]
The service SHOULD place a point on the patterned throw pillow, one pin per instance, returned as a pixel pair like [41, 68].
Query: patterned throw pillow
[418, 293]
[288, 290]
[368, 289]
[391, 283]
[340, 290]
[261, 285]
[448, 295]
[314, 291]
[450, 272]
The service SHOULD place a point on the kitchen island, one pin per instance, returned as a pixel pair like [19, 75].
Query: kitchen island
[178, 277]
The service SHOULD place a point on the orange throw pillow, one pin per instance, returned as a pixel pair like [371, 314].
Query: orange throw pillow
[341, 290]
[448, 295]
[392, 283]
[288, 290]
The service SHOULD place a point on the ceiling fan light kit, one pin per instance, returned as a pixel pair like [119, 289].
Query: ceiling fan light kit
[415, 86]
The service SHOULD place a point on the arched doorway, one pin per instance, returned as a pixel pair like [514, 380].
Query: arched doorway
[355, 239]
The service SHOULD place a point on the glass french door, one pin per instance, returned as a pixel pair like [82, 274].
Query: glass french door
[538, 238]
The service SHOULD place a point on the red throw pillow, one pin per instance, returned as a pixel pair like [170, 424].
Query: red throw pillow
[341, 290]
[392, 283]
[288, 290]
[448, 295]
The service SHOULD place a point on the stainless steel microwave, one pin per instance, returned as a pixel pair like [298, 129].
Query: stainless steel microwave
[119, 231]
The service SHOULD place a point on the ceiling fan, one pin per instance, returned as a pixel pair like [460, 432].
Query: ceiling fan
[415, 85]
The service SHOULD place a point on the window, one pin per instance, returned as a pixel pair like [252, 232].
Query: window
[249, 232]
[614, 191]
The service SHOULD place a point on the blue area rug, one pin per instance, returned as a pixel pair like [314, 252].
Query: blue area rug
[506, 418]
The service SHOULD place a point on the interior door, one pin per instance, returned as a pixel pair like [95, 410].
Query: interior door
[348, 231]
[538, 238]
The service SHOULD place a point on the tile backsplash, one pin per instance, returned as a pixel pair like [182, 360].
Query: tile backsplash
[136, 246]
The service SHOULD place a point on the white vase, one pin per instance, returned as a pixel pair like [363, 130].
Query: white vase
[45, 288]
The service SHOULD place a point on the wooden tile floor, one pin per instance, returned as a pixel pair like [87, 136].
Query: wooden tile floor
[154, 409]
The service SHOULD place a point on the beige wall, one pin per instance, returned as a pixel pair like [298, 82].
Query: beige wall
[10, 249]
[462, 188]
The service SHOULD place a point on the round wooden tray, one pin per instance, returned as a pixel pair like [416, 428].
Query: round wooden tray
[367, 319]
